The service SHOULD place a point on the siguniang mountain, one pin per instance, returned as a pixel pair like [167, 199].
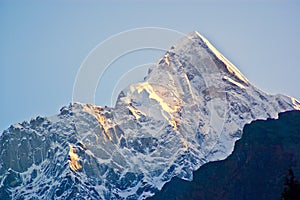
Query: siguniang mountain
[190, 109]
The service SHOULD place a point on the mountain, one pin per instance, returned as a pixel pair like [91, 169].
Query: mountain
[189, 110]
[256, 169]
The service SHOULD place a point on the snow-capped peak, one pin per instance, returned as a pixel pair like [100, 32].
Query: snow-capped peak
[190, 110]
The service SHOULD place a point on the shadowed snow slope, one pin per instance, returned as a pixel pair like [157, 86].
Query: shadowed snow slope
[189, 110]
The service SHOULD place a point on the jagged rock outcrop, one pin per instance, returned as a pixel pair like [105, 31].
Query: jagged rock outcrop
[190, 110]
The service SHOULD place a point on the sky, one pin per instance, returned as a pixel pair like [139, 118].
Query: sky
[44, 43]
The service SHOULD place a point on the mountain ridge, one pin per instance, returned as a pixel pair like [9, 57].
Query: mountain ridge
[190, 110]
[256, 169]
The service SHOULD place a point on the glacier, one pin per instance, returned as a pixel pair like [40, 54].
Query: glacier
[189, 110]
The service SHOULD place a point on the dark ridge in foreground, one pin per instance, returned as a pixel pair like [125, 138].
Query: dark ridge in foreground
[257, 168]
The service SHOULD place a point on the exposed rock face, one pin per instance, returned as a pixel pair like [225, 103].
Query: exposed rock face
[256, 169]
[190, 110]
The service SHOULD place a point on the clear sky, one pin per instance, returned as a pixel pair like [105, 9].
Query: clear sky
[43, 43]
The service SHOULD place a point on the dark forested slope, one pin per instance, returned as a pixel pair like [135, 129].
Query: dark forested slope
[257, 169]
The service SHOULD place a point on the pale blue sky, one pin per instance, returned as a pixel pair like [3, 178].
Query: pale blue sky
[42, 44]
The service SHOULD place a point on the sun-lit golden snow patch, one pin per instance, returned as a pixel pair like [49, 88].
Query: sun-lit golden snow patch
[185, 144]
[136, 113]
[175, 123]
[296, 103]
[169, 107]
[167, 59]
[74, 159]
[169, 103]
[105, 123]
[234, 82]
[230, 67]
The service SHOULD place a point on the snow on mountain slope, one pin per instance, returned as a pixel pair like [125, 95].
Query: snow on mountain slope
[190, 110]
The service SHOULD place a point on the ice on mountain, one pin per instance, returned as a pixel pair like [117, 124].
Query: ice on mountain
[190, 110]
